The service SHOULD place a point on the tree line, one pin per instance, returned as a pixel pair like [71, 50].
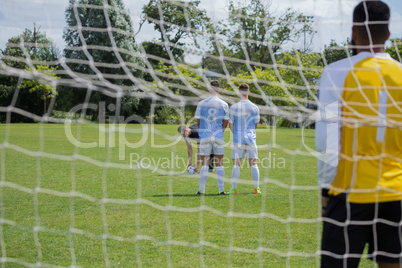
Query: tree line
[102, 62]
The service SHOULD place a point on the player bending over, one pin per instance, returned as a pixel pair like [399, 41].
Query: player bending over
[243, 120]
[191, 134]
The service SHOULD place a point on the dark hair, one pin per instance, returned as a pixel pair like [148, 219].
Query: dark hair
[376, 11]
[244, 87]
[215, 83]
[181, 128]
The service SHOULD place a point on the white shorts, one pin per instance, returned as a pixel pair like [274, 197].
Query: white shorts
[240, 150]
[212, 146]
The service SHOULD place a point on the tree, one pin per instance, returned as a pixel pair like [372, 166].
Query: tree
[298, 72]
[176, 83]
[174, 76]
[32, 46]
[37, 94]
[177, 22]
[255, 34]
[395, 50]
[7, 87]
[101, 47]
[291, 84]
[335, 52]
[29, 45]
[33, 95]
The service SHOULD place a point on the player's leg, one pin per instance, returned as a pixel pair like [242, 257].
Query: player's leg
[388, 237]
[218, 149]
[198, 160]
[237, 155]
[252, 154]
[211, 163]
[220, 173]
[255, 174]
[205, 151]
[235, 175]
[339, 241]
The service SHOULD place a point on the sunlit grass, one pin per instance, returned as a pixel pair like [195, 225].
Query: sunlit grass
[63, 205]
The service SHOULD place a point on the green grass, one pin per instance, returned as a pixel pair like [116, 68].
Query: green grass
[62, 205]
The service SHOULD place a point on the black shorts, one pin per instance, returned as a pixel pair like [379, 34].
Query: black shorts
[349, 226]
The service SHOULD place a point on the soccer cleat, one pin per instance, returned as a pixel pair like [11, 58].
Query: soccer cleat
[200, 193]
[211, 170]
[257, 190]
[222, 193]
[233, 191]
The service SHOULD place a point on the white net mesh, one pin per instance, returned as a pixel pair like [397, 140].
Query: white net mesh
[106, 184]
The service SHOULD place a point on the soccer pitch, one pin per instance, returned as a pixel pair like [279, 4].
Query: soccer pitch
[63, 205]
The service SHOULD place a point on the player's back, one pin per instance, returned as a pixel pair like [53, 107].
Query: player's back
[371, 141]
[244, 115]
[194, 133]
[211, 112]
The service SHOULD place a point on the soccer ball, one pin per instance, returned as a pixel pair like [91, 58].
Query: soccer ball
[191, 170]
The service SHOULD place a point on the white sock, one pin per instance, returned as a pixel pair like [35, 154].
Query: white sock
[235, 176]
[255, 174]
[220, 176]
[203, 178]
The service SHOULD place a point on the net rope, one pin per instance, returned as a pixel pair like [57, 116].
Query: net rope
[161, 92]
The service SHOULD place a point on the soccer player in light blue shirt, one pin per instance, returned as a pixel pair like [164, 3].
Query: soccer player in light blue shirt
[212, 116]
[244, 117]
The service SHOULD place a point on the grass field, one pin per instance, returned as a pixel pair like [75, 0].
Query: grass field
[62, 205]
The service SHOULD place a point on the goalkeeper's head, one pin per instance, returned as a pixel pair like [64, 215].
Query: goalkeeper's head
[370, 23]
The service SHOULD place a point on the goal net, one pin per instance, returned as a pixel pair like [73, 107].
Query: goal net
[93, 169]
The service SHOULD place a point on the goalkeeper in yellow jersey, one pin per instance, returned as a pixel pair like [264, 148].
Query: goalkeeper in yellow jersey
[359, 143]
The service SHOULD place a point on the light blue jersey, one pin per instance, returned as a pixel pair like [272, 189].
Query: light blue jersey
[244, 115]
[211, 112]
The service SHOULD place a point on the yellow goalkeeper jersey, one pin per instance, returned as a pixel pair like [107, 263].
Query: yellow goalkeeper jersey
[370, 159]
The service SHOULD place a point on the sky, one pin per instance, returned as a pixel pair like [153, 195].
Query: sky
[332, 17]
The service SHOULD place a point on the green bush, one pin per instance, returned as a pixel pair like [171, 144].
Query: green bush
[167, 115]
